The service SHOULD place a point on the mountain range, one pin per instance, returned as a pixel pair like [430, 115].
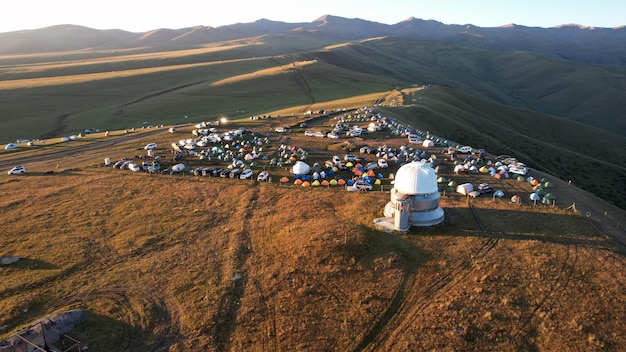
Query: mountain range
[570, 41]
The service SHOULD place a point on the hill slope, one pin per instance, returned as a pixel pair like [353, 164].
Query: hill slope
[178, 262]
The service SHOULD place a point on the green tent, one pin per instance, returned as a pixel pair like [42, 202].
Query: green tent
[548, 199]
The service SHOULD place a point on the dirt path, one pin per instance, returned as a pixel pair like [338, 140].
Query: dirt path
[54, 154]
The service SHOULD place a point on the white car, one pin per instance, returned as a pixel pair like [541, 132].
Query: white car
[382, 163]
[263, 176]
[134, 167]
[245, 174]
[280, 129]
[10, 146]
[17, 170]
[465, 149]
[150, 146]
[309, 133]
[336, 160]
[332, 135]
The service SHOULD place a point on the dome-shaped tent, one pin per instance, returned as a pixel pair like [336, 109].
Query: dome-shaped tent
[300, 168]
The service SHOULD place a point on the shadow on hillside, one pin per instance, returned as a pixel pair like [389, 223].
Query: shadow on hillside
[518, 225]
[30, 263]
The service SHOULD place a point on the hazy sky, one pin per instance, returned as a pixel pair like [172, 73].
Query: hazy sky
[144, 15]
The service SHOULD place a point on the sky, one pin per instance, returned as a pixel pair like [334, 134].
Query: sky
[145, 15]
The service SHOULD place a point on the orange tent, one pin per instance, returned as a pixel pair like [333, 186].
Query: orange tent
[341, 182]
[325, 183]
[297, 182]
[284, 179]
[306, 184]
[371, 173]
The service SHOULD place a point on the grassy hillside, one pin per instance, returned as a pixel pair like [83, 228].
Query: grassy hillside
[590, 94]
[179, 263]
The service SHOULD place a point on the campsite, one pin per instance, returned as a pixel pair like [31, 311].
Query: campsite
[176, 260]
[322, 186]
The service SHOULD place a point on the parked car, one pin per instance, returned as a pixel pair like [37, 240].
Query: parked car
[280, 129]
[224, 173]
[17, 170]
[150, 146]
[134, 167]
[382, 163]
[234, 173]
[309, 133]
[10, 146]
[349, 157]
[332, 135]
[518, 168]
[485, 188]
[246, 174]
[465, 149]
[336, 160]
[263, 176]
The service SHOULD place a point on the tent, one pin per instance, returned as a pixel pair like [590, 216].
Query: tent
[516, 199]
[521, 178]
[464, 188]
[315, 183]
[452, 184]
[534, 182]
[498, 194]
[534, 197]
[483, 170]
[341, 182]
[377, 182]
[333, 182]
[298, 181]
[178, 168]
[301, 168]
[306, 184]
[459, 168]
[325, 183]
[428, 143]
[548, 184]
[284, 179]
[548, 199]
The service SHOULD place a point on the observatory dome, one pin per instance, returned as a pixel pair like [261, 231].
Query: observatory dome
[416, 178]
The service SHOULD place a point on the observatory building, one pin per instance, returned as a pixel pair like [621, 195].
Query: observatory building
[414, 199]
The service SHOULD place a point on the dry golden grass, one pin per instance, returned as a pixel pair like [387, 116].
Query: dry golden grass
[179, 263]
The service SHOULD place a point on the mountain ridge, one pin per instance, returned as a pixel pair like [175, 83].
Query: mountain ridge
[573, 42]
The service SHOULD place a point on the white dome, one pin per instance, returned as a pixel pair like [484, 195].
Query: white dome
[416, 178]
[300, 168]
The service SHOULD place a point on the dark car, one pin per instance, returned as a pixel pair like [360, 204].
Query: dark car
[224, 173]
[484, 188]
[235, 173]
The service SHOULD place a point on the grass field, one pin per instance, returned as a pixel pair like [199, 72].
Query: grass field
[178, 262]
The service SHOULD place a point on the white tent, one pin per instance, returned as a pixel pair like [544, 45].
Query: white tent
[178, 168]
[428, 143]
[300, 168]
[459, 168]
[464, 188]
[534, 197]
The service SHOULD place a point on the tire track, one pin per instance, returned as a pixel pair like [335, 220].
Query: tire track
[229, 303]
[411, 298]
